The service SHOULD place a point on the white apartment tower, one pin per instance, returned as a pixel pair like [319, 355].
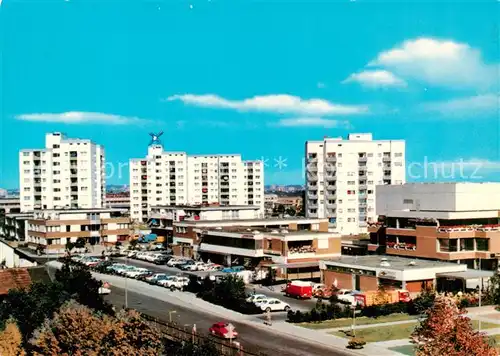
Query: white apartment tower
[174, 178]
[68, 173]
[341, 178]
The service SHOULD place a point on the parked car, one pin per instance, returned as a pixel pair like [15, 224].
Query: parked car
[212, 267]
[104, 291]
[272, 304]
[256, 298]
[156, 277]
[91, 261]
[223, 330]
[137, 272]
[177, 283]
[233, 269]
[184, 266]
[164, 281]
[175, 261]
[195, 266]
[115, 267]
[102, 266]
[162, 260]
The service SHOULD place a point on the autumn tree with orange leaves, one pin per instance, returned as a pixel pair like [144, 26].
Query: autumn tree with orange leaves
[77, 330]
[11, 340]
[447, 331]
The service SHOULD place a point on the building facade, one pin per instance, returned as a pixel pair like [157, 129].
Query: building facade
[368, 273]
[117, 200]
[174, 178]
[52, 229]
[67, 173]
[457, 222]
[342, 176]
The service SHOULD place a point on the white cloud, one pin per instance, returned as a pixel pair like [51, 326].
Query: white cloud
[486, 104]
[79, 117]
[312, 122]
[439, 62]
[277, 103]
[376, 79]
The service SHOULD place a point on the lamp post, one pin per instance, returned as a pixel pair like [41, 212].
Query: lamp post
[170, 315]
[480, 290]
[354, 319]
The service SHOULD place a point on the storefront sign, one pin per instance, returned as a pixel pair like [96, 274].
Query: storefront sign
[387, 274]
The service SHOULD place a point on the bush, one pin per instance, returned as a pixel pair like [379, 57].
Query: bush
[356, 343]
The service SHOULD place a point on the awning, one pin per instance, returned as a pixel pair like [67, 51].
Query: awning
[469, 274]
[293, 265]
[472, 277]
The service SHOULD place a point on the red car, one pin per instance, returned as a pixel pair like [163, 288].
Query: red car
[223, 330]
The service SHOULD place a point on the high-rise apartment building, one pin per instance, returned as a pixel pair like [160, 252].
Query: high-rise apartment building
[174, 178]
[68, 173]
[342, 174]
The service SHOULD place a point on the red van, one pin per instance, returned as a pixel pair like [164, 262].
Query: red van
[299, 289]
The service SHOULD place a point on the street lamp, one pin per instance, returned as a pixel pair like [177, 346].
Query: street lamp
[170, 315]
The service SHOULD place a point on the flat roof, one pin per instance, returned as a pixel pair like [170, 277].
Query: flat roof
[396, 262]
[207, 207]
[469, 274]
[264, 221]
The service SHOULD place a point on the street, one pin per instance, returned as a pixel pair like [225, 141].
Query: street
[252, 338]
[274, 292]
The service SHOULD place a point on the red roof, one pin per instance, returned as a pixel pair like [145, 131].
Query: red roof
[12, 278]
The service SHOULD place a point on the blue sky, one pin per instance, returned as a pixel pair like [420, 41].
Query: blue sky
[257, 78]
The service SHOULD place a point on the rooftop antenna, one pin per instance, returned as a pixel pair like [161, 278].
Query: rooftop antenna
[155, 138]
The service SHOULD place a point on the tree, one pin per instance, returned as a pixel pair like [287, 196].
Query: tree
[291, 211]
[446, 331]
[494, 289]
[424, 301]
[80, 242]
[133, 243]
[77, 281]
[118, 244]
[11, 340]
[30, 307]
[280, 209]
[69, 246]
[77, 330]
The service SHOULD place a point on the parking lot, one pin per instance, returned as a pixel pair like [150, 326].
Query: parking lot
[150, 268]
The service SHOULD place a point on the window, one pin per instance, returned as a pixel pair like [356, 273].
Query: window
[398, 154]
[25, 154]
[26, 171]
[26, 162]
[482, 244]
[351, 182]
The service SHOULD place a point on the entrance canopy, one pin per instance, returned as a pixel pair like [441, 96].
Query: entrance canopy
[294, 265]
[471, 277]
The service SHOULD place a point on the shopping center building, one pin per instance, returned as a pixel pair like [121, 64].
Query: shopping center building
[457, 222]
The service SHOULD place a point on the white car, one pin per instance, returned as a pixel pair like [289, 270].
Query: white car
[175, 261]
[177, 283]
[104, 291]
[273, 304]
[156, 277]
[257, 298]
[136, 272]
[165, 280]
[197, 266]
[116, 267]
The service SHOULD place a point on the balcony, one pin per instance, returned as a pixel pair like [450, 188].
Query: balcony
[401, 246]
[312, 196]
[330, 178]
[311, 178]
[331, 205]
[312, 205]
[362, 159]
[386, 159]
[312, 187]
[331, 187]
[331, 196]
[331, 159]
[312, 159]
[312, 168]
